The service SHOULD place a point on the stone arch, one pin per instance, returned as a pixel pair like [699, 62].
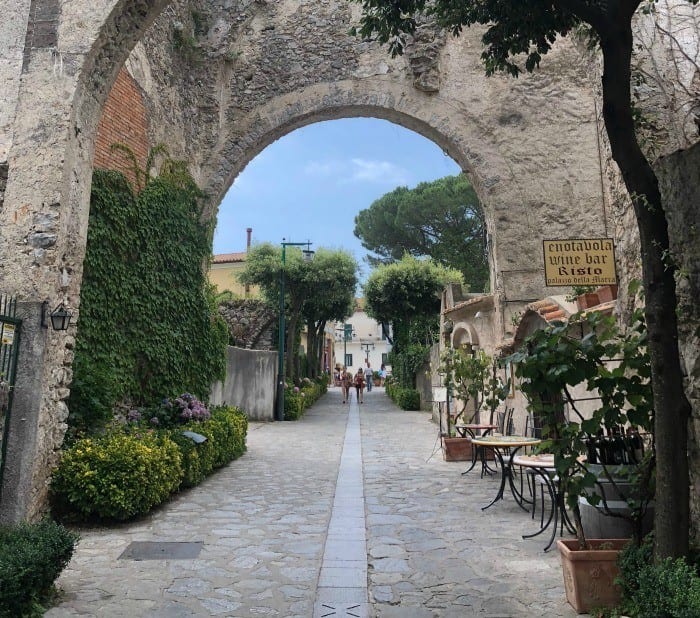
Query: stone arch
[464, 334]
[505, 134]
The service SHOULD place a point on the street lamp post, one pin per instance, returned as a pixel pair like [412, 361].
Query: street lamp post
[346, 333]
[308, 256]
[367, 347]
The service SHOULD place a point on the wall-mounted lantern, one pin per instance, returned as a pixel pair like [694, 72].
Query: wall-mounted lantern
[60, 317]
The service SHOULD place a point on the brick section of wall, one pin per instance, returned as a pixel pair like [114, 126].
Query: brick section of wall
[124, 120]
[42, 28]
[3, 182]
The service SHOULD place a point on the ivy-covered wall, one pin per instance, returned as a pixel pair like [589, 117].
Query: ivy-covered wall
[148, 325]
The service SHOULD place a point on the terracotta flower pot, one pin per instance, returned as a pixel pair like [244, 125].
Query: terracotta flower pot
[457, 449]
[589, 574]
[585, 301]
[606, 293]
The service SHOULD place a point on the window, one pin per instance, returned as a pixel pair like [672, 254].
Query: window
[348, 360]
[385, 358]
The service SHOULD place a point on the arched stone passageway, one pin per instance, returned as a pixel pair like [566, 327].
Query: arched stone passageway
[223, 93]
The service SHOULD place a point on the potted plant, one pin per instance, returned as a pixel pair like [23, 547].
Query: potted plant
[550, 365]
[469, 377]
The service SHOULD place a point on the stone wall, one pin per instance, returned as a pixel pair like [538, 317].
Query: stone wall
[251, 376]
[250, 323]
[679, 178]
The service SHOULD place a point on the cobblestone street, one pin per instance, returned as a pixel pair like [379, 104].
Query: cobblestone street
[284, 533]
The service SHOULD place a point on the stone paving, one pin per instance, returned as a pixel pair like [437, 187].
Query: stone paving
[271, 525]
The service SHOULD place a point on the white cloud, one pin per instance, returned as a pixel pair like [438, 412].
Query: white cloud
[383, 172]
[359, 170]
[323, 168]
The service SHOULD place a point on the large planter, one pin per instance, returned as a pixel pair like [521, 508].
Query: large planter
[602, 525]
[457, 449]
[589, 574]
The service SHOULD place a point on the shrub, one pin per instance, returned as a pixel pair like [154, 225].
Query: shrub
[32, 556]
[668, 589]
[226, 434]
[117, 476]
[405, 398]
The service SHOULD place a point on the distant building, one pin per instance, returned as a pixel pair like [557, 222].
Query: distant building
[365, 341]
[225, 268]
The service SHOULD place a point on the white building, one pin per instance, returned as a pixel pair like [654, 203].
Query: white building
[364, 341]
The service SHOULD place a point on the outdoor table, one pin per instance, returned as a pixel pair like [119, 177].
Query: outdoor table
[471, 428]
[543, 466]
[506, 448]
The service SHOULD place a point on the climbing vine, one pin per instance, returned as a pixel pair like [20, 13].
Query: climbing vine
[148, 325]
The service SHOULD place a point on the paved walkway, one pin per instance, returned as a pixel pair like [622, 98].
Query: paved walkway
[285, 532]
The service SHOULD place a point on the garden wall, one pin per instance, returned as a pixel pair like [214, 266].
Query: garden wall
[251, 376]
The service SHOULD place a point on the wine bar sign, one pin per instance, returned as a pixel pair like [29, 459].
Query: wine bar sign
[579, 261]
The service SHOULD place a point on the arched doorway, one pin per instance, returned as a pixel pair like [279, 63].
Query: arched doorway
[264, 70]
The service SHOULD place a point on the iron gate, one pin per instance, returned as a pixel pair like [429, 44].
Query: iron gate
[10, 327]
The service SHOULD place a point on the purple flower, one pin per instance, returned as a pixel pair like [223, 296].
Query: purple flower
[155, 421]
[296, 389]
[133, 416]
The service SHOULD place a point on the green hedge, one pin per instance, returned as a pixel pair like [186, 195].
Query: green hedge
[297, 399]
[405, 398]
[122, 475]
[32, 556]
[225, 432]
[117, 476]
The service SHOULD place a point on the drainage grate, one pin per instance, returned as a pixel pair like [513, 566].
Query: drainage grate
[158, 550]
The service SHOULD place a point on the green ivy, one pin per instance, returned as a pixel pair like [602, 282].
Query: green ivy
[148, 324]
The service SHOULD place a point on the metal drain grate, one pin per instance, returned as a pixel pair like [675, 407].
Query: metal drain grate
[160, 550]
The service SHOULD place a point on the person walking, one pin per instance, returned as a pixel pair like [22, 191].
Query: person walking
[346, 383]
[360, 384]
[382, 374]
[368, 377]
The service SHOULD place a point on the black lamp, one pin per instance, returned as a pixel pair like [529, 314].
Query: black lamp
[60, 318]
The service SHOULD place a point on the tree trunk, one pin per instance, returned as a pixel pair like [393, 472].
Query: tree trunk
[672, 410]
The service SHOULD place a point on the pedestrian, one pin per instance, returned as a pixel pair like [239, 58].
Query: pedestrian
[368, 376]
[360, 384]
[382, 374]
[346, 382]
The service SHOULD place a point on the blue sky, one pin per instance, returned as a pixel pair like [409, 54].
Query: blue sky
[311, 183]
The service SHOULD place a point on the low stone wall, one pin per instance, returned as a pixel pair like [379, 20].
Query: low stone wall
[251, 376]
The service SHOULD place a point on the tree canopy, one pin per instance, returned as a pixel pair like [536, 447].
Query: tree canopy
[441, 220]
[405, 293]
[518, 34]
[316, 291]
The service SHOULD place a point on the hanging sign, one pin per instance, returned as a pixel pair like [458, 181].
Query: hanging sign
[579, 261]
[8, 334]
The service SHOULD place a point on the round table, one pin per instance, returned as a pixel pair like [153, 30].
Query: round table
[484, 429]
[505, 448]
[543, 466]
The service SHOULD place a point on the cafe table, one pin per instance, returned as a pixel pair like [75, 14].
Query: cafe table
[475, 430]
[506, 448]
[542, 466]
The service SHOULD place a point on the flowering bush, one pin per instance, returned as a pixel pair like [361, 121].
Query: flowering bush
[298, 398]
[171, 413]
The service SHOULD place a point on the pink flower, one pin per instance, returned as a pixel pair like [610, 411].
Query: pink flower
[296, 389]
